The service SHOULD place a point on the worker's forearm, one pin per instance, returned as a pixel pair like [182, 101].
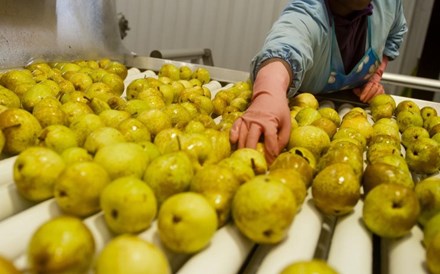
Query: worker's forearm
[273, 76]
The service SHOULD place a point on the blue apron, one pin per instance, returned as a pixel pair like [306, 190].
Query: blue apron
[360, 73]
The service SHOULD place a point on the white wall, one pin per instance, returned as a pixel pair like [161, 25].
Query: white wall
[418, 21]
[235, 29]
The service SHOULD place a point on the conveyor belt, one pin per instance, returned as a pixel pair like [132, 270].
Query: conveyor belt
[350, 248]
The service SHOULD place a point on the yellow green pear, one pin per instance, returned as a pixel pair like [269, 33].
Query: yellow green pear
[253, 158]
[198, 146]
[350, 134]
[304, 99]
[379, 173]
[9, 98]
[343, 152]
[123, 159]
[170, 70]
[221, 146]
[57, 137]
[84, 125]
[134, 130]
[35, 94]
[79, 186]
[430, 229]
[263, 209]
[313, 266]
[7, 266]
[129, 254]
[359, 122]
[2, 141]
[150, 149]
[242, 171]
[112, 117]
[293, 180]
[311, 137]
[331, 114]
[35, 171]
[307, 115]
[433, 255]
[155, 120]
[129, 205]
[75, 109]
[218, 184]
[382, 106]
[168, 140]
[202, 74]
[423, 156]
[406, 105]
[61, 245]
[407, 118]
[336, 189]
[20, 128]
[75, 154]
[390, 210]
[380, 129]
[101, 137]
[169, 174]
[428, 112]
[291, 160]
[186, 222]
[48, 112]
[428, 193]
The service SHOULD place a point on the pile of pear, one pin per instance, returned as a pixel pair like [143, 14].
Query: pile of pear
[155, 150]
[386, 155]
[411, 167]
[333, 146]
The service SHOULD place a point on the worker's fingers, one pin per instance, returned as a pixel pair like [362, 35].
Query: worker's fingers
[357, 91]
[238, 133]
[253, 135]
[235, 131]
[374, 89]
[243, 133]
[365, 91]
[283, 136]
[271, 147]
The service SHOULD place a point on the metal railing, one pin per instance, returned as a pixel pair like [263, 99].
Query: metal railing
[411, 81]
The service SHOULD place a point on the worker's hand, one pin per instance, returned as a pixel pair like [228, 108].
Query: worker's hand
[268, 116]
[370, 89]
[373, 87]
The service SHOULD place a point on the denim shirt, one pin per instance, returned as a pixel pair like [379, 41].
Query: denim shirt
[302, 36]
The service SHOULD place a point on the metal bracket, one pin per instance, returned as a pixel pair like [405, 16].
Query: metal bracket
[194, 55]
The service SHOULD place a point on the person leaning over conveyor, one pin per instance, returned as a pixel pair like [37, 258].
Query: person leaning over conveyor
[318, 46]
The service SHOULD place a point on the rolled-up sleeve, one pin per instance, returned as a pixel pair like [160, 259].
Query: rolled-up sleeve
[397, 33]
[292, 39]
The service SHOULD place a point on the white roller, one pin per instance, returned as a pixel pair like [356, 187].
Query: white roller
[226, 254]
[326, 104]
[7, 170]
[352, 247]
[97, 226]
[136, 74]
[133, 71]
[15, 232]
[300, 243]
[148, 73]
[11, 202]
[407, 254]
[152, 235]
[213, 86]
[344, 108]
